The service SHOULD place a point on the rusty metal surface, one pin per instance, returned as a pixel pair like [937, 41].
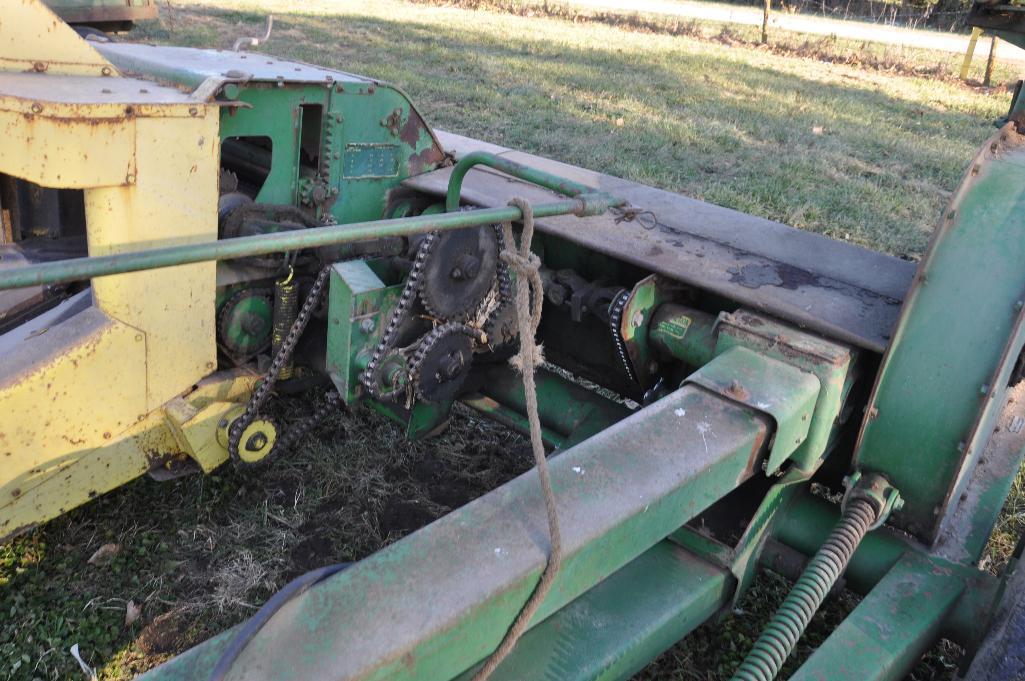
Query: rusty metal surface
[842, 290]
[965, 529]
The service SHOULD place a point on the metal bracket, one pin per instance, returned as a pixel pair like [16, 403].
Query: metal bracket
[877, 489]
[768, 385]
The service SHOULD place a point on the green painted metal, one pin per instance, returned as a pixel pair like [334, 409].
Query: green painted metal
[359, 306]
[227, 249]
[569, 412]
[778, 639]
[444, 596]
[747, 553]
[624, 622]
[557, 184]
[340, 143]
[890, 629]
[365, 142]
[781, 390]
[282, 127]
[647, 296]
[682, 333]
[944, 376]
[808, 520]
[969, 525]
[831, 362]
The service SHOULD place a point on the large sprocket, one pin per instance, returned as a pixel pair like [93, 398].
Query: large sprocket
[460, 272]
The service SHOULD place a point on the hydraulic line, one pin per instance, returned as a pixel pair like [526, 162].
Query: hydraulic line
[770, 651]
[253, 625]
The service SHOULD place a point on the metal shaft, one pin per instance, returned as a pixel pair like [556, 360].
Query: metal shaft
[78, 269]
[526, 173]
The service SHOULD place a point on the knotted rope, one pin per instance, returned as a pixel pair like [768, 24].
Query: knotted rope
[527, 266]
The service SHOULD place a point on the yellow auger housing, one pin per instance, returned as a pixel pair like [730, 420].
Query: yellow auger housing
[82, 386]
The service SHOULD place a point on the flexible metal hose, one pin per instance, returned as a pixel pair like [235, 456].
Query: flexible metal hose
[776, 643]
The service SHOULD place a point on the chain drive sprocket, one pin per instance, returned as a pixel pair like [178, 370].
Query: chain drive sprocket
[462, 269]
[442, 360]
[266, 385]
[369, 377]
[239, 342]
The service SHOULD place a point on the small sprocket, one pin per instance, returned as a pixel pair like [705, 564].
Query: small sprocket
[441, 363]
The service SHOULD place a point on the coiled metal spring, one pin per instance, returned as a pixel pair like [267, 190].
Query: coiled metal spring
[776, 643]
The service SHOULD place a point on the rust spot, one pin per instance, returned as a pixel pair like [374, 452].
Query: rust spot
[39, 67]
[391, 122]
[738, 392]
[106, 436]
[16, 492]
[428, 159]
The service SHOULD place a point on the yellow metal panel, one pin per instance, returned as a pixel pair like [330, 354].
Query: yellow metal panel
[173, 201]
[196, 418]
[198, 433]
[33, 38]
[81, 402]
[63, 394]
[55, 152]
[87, 474]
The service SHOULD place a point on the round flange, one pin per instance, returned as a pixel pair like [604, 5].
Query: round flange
[257, 442]
[245, 322]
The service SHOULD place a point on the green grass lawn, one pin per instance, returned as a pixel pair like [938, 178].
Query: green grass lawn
[861, 154]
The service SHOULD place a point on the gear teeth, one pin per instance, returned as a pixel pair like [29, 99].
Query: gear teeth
[428, 342]
[238, 355]
[468, 295]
